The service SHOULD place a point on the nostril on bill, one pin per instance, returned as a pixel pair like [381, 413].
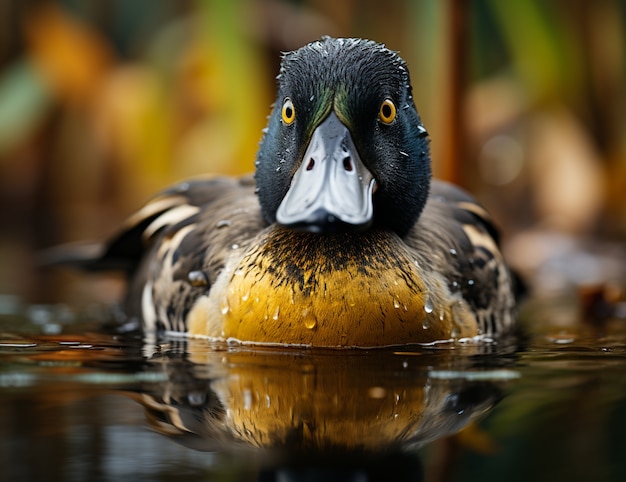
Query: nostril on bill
[310, 165]
[347, 164]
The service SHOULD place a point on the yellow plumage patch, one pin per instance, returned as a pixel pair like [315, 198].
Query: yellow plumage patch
[358, 290]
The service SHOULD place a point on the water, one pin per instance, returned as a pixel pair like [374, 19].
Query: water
[80, 401]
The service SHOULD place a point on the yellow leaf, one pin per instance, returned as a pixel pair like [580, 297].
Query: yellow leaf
[71, 56]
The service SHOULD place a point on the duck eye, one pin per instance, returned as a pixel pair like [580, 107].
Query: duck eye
[288, 112]
[387, 112]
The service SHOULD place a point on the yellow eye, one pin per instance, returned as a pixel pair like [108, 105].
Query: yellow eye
[288, 112]
[387, 112]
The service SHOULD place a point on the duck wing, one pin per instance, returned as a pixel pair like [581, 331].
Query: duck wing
[184, 248]
[456, 237]
[170, 209]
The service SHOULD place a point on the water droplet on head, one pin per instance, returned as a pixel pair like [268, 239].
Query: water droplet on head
[396, 303]
[470, 282]
[235, 246]
[425, 324]
[453, 252]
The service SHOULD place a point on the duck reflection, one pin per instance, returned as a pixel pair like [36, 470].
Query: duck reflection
[314, 402]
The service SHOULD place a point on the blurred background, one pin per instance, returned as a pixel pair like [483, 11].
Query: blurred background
[104, 102]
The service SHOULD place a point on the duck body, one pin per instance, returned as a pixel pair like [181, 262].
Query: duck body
[340, 240]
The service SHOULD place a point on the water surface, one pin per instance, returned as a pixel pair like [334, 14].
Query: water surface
[80, 401]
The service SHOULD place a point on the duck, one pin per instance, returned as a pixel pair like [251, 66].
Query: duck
[340, 238]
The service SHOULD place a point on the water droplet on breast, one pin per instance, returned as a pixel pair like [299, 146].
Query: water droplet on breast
[377, 392]
[453, 252]
[224, 306]
[396, 303]
[197, 278]
[276, 313]
[428, 306]
[234, 246]
[247, 399]
[310, 322]
[425, 324]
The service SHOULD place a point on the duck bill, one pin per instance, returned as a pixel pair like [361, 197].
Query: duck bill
[332, 189]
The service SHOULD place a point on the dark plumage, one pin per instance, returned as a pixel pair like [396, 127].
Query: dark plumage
[346, 241]
[353, 77]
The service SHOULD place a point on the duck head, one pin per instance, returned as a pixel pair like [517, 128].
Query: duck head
[345, 148]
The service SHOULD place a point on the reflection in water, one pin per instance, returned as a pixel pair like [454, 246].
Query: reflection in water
[74, 405]
[304, 400]
[320, 413]
[282, 414]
